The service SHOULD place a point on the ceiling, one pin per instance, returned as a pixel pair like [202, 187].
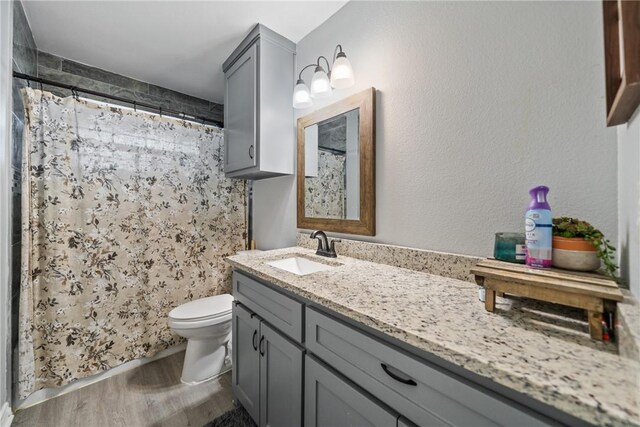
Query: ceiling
[180, 45]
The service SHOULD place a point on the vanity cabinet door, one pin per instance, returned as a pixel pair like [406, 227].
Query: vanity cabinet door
[246, 359]
[240, 108]
[280, 380]
[330, 401]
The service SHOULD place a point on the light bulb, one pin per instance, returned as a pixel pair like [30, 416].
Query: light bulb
[342, 73]
[301, 95]
[320, 85]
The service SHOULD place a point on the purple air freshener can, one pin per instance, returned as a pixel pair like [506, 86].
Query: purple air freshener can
[539, 229]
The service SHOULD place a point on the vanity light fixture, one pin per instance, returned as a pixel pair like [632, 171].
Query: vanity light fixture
[322, 82]
[342, 73]
[301, 95]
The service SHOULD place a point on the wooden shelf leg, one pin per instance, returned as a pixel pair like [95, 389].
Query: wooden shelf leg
[595, 325]
[490, 300]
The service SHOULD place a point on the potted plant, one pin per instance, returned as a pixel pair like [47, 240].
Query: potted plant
[577, 245]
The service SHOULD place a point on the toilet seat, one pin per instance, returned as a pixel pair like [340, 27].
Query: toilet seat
[201, 312]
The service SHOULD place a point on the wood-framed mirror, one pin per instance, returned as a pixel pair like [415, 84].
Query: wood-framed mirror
[336, 166]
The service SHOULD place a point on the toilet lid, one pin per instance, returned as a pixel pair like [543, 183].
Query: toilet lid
[215, 306]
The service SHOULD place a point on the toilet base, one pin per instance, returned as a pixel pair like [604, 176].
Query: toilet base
[218, 375]
[205, 359]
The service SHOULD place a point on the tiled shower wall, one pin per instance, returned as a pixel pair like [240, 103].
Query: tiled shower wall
[28, 60]
[62, 70]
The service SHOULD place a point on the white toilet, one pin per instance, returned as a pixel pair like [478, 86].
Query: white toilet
[206, 324]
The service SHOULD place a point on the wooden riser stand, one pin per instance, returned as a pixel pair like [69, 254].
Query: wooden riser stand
[592, 292]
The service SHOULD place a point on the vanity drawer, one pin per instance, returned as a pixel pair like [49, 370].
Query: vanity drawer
[279, 310]
[423, 394]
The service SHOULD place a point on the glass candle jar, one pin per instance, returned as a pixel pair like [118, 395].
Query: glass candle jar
[510, 247]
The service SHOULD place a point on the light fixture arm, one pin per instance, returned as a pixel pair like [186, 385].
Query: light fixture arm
[317, 64]
[310, 65]
[327, 61]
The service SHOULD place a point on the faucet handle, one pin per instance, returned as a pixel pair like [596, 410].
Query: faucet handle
[333, 244]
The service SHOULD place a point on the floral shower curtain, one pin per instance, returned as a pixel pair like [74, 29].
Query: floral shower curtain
[125, 215]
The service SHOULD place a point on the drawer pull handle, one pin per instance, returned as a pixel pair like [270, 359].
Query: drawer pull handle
[397, 377]
[251, 152]
[262, 346]
[253, 340]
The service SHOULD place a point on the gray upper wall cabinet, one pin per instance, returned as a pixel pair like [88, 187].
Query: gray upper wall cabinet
[258, 114]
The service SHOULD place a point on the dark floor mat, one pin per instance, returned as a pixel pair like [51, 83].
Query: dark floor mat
[237, 417]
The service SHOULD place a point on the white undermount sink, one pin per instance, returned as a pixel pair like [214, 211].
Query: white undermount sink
[300, 266]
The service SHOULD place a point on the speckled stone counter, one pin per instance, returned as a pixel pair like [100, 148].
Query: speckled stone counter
[628, 327]
[545, 354]
[445, 264]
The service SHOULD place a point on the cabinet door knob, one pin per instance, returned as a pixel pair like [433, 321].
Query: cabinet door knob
[262, 346]
[253, 340]
[251, 151]
[397, 377]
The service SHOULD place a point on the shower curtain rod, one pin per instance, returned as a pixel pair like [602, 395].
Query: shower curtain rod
[162, 111]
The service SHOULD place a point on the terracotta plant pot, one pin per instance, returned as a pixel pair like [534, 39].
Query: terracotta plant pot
[575, 253]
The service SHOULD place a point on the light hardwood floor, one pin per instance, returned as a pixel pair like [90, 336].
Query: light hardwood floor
[148, 396]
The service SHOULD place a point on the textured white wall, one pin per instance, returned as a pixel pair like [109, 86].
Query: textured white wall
[477, 102]
[629, 201]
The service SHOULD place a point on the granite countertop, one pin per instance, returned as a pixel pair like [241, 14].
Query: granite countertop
[522, 345]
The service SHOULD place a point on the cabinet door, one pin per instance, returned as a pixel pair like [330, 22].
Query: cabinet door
[240, 112]
[280, 380]
[330, 401]
[246, 359]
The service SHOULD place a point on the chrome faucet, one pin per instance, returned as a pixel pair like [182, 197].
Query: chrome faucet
[324, 249]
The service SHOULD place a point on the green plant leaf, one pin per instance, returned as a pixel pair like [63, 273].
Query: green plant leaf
[573, 227]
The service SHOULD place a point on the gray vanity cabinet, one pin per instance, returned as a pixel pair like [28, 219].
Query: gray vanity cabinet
[330, 401]
[267, 371]
[280, 311]
[258, 114]
[246, 363]
[350, 376]
[280, 380]
[420, 392]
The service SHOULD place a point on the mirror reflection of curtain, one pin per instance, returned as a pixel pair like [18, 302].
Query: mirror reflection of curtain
[325, 193]
[125, 216]
[332, 168]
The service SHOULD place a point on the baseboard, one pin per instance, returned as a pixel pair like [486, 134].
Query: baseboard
[6, 416]
[49, 393]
